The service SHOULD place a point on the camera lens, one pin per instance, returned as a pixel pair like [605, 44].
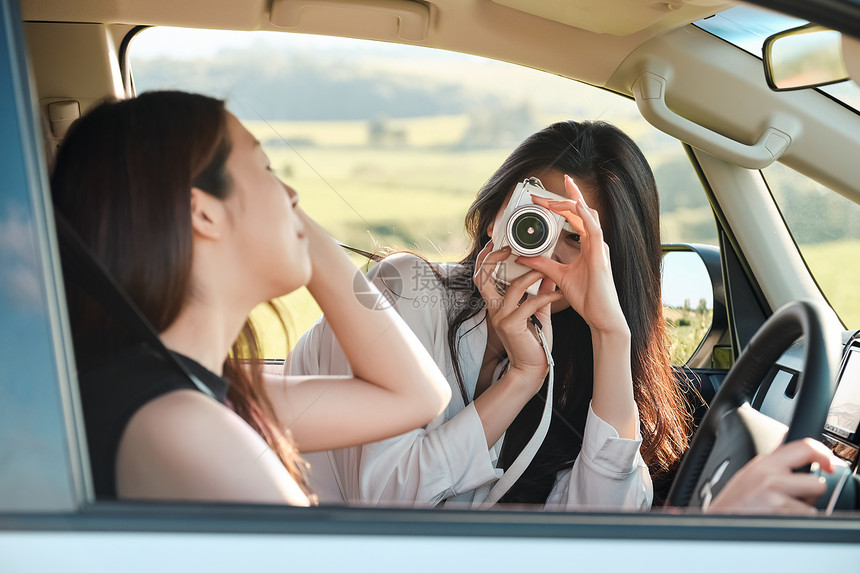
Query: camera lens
[529, 231]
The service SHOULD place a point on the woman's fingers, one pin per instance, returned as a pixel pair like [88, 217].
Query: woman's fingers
[534, 305]
[517, 288]
[575, 194]
[769, 483]
[487, 260]
[800, 485]
[547, 285]
[482, 257]
[803, 452]
[553, 270]
[583, 219]
[572, 189]
[590, 221]
[485, 263]
[557, 204]
[589, 216]
[566, 208]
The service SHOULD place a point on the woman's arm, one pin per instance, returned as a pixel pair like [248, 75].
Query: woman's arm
[421, 467]
[185, 446]
[608, 474]
[424, 466]
[588, 286]
[395, 385]
[514, 338]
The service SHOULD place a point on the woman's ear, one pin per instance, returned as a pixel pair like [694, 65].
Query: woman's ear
[207, 214]
[491, 227]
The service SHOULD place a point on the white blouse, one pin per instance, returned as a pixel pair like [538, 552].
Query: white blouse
[447, 460]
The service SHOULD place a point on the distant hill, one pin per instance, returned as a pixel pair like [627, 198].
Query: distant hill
[389, 95]
[365, 82]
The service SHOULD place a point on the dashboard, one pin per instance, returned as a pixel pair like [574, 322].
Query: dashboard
[843, 418]
[841, 432]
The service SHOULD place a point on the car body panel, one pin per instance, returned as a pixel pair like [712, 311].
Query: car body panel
[40, 453]
[147, 552]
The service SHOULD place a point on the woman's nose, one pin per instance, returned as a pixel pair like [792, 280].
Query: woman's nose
[292, 193]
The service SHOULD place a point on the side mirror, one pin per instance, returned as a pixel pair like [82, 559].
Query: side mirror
[694, 305]
[804, 57]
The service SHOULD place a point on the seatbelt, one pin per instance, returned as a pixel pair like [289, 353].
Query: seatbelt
[367, 255]
[81, 265]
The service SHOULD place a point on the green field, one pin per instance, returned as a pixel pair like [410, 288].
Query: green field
[831, 264]
[376, 197]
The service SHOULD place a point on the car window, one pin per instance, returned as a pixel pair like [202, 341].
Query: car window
[388, 144]
[826, 228]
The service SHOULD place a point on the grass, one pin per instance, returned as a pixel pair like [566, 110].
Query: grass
[831, 264]
[403, 198]
[687, 329]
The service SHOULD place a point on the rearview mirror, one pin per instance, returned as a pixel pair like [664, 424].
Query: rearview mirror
[804, 57]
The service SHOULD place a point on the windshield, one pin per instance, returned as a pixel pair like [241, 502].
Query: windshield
[747, 28]
[396, 165]
[822, 222]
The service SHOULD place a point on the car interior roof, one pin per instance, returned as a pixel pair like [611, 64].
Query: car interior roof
[606, 30]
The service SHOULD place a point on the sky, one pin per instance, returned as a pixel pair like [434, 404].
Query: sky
[189, 43]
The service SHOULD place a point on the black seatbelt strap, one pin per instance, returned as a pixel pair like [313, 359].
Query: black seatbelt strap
[365, 254]
[80, 265]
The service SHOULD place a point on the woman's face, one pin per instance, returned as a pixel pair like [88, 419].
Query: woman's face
[567, 248]
[269, 236]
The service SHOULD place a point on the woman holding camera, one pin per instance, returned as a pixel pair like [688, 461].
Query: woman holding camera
[620, 420]
[614, 391]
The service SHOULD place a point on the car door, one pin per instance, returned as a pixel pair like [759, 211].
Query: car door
[50, 521]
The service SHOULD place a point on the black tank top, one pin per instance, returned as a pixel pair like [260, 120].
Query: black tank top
[113, 392]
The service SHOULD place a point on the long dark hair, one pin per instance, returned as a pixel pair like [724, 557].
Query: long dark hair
[123, 179]
[606, 159]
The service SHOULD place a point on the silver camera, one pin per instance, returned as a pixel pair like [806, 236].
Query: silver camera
[529, 229]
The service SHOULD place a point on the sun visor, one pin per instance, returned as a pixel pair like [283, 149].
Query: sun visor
[620, 17]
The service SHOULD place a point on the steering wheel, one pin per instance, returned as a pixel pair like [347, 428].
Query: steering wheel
[732, 432]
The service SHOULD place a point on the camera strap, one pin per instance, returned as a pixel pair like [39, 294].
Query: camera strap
[486, 497]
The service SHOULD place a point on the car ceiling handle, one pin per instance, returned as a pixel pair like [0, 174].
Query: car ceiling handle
[649, 90]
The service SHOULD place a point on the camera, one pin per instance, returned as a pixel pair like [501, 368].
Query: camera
[529, 229]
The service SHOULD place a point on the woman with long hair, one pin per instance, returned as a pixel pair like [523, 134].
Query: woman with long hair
[620, 420]
[614, 388]
[176, 199]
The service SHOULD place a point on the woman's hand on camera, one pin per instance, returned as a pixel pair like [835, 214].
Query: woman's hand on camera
[587, 280]
[587, 284]
[510, 318]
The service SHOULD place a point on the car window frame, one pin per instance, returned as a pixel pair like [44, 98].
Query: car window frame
[42, 407]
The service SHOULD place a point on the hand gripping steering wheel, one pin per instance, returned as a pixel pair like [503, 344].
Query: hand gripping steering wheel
[732, 432]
